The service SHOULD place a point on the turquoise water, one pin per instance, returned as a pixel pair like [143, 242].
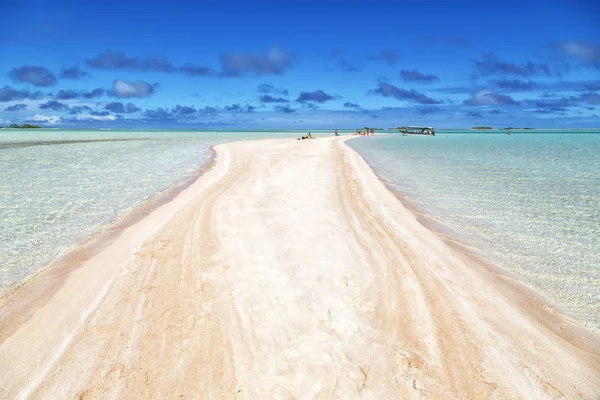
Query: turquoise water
[59, 187]
[529, 202]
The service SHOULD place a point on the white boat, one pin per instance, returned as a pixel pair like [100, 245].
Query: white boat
[417, 130]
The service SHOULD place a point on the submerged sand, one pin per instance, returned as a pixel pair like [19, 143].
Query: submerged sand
[286, 271]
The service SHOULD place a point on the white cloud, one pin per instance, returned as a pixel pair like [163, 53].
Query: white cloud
[132, 89]
[585, 51]
[488, 98]
[51, 120]
[89, 117]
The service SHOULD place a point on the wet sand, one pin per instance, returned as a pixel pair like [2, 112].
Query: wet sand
[286, 271]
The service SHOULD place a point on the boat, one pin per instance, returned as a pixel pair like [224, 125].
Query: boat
[417, 130]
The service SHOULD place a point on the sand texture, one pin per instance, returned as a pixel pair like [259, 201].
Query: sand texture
[286, 271]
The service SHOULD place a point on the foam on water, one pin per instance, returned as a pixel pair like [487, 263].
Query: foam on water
[528, 202]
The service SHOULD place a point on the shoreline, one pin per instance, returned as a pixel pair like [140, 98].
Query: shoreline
[454, 239]
[49, 277]
[545, 310]
[109, 231]
[387, 285]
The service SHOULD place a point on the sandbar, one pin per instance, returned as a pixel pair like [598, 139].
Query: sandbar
[288, 270]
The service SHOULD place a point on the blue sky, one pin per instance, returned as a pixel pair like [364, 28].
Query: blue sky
[309, 64]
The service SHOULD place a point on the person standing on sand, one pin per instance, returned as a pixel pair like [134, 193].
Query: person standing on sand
[336, 133]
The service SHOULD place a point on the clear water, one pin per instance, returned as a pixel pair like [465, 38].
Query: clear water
[58, 187]
[528, 202]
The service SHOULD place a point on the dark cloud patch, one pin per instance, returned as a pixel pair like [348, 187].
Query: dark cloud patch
[487, 98]
[461, 89]
[389, 56]
[351, 105]
[115, 60]
[70, 94]
[93, 94]
[125, 89]
[8, 93]
[120, 108]
[388, 90]
[429, 110]
[184, 111]
[495, 111]
[208, 111]
[552, 110]
[473, 114]
[284, 109]
[267, 98]
[73, 73]
[563, 104]
[37, 76]
[552, 103]
[54, 105]
[276, 61]
[489, 65]
[317, 96]
[181, 113]
[590, 98]
[237, 108]
[67, 94]
[80, 110]
[100, 113]
[16, 107]
[417, 77]
[515, 84]
[159, 113]
[591, 85]
[588, 53]
[268, 88]
[196, 70]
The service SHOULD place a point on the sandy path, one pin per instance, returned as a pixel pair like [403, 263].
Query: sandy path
[288, 271]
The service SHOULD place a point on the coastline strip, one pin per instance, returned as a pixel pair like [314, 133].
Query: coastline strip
[287, 270]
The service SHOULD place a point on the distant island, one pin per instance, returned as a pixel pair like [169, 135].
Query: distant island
[510, 127]
[23, 126]
[482, 127]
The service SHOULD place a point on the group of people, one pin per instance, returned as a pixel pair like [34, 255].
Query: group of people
[309, 136]
[366, 132]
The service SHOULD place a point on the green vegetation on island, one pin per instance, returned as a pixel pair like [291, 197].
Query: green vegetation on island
[482, 127]
[22, 126]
